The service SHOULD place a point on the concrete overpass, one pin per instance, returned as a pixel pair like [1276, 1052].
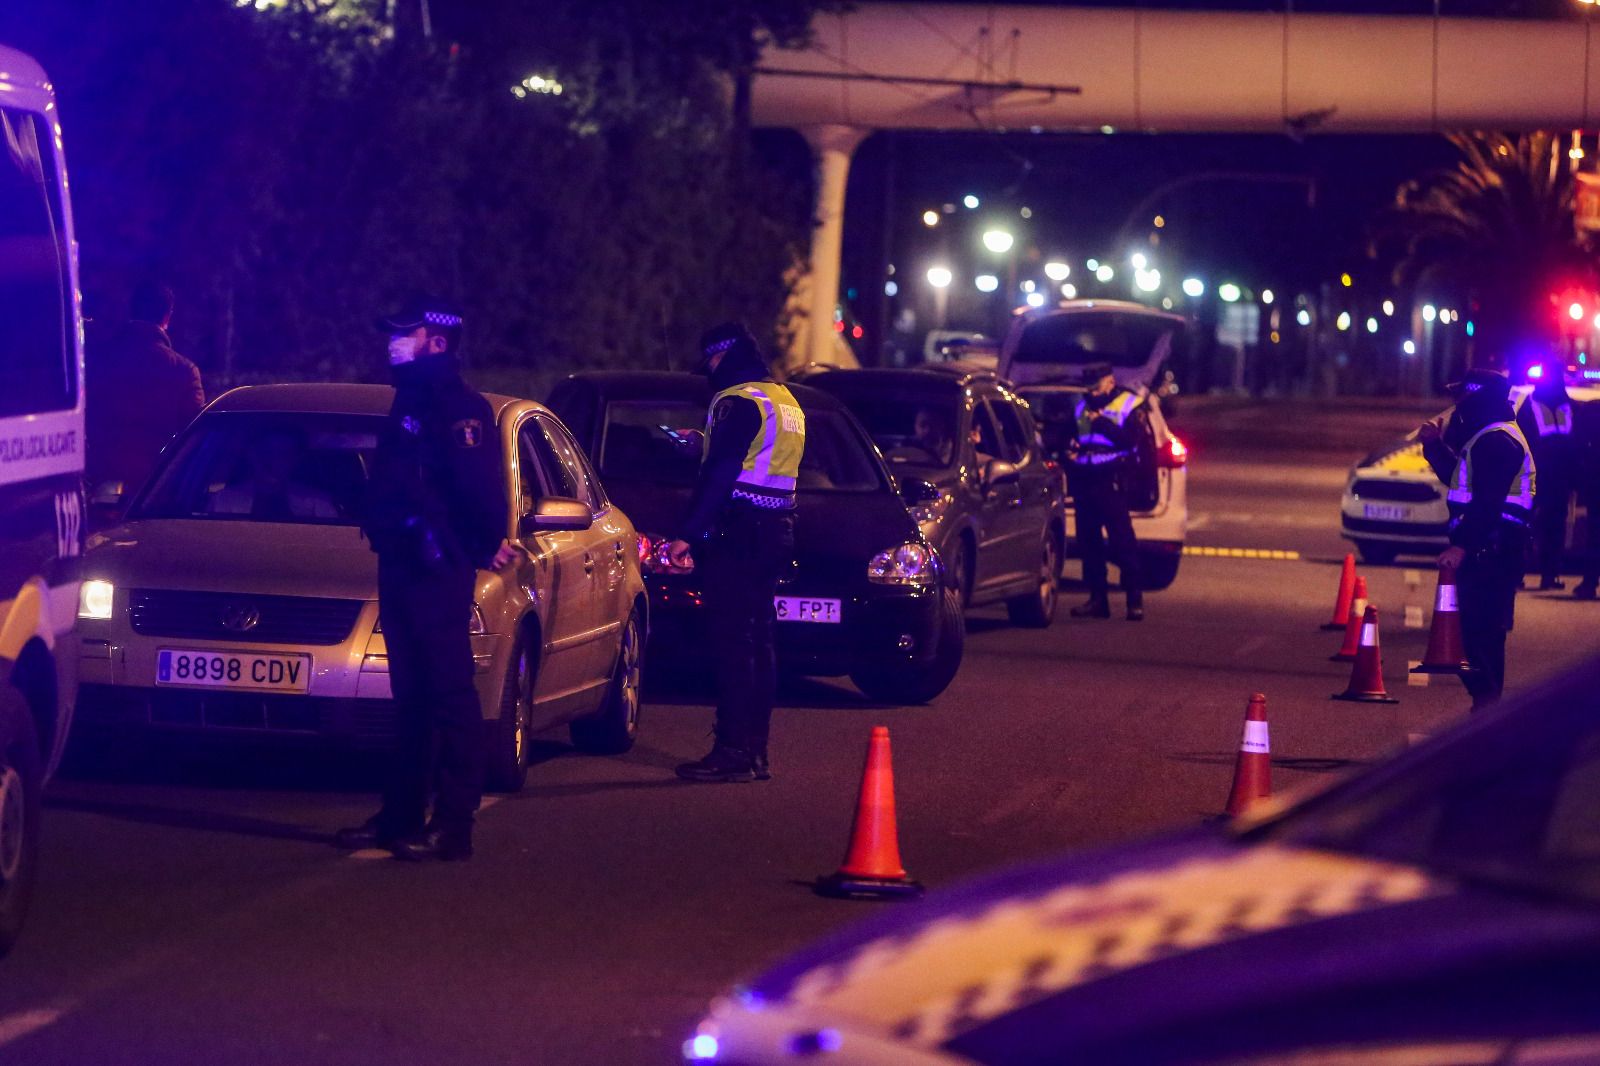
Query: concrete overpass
[1013, 67]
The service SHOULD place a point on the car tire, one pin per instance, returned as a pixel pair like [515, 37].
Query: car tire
[1377, 552]
[1158, 569]
[21, 783]
[613, 730]
[1037, 609]
[912, 683]
[506, 769]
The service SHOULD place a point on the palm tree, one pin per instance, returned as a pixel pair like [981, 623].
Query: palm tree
[1498, 228]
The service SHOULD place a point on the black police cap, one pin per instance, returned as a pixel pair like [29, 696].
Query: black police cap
[1492, 382]
[421, 311]
[719, 339]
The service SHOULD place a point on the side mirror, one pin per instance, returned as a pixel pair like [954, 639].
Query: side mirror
[916, 490]
[557, 514]
[999, 472]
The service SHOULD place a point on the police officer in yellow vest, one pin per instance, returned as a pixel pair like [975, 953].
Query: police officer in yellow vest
[1546, 422]
[1488, 471]
[739, 535]
[1107, 428]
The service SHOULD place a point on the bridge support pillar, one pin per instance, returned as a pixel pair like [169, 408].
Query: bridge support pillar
[815, 341]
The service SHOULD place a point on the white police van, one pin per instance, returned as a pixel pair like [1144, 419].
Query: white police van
[41, 467]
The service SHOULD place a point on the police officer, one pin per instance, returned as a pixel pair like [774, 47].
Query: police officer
[1546, 423]
[1487, 468]
[739, 534]
[1108, 424]
[435, 513]
[1586, 468]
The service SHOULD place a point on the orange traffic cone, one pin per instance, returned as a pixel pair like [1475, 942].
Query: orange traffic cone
[1444, 654]
[1347, 589]
[1252, 770]
[872, 868]
[1366, 675]
[1352, 625]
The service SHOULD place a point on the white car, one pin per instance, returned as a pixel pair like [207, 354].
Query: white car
[1394, 504]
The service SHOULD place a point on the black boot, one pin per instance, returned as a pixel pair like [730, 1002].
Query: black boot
[1135, 607]
[723, 763]
[1586, 589]
[1549, 584]
[372, 833]
[1096, 606]
[444, 843]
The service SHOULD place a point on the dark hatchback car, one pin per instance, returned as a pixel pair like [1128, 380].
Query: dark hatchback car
[965, 452]
[867, 597]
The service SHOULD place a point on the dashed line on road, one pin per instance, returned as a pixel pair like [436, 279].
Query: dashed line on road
[1239, 553]
[14, 1027]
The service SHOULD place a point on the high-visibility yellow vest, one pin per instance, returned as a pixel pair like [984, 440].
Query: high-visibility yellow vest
[1117, 411]
[772, 464]
[1552, 421]
[1519, 498]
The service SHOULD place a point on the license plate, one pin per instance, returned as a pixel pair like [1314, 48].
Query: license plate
[1392, 512]
[801, 609]
[211, 669]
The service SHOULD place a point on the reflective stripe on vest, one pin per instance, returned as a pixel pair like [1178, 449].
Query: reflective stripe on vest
[772, 463]
[1118, 410]
[1522, 488]
[1552, 420]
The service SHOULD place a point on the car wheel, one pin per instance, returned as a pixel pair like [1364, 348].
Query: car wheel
[1158, 570]
[907, 683]
[1037, 609]
[21, 781]
[1377, 552]
[613, 730]
[507, 768]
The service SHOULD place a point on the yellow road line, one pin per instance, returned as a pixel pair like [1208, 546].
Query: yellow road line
[1240, 553]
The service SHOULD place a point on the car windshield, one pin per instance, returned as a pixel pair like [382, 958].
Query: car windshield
[261, 467]
[651, 441]
[1512, 800]
[1123, 340]
[919, 431]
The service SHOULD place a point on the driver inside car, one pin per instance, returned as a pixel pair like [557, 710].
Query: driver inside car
[269, 492]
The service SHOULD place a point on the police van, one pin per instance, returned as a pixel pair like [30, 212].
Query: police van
[41, 467]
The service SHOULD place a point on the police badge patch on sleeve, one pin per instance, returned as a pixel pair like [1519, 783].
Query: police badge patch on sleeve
[468, 432]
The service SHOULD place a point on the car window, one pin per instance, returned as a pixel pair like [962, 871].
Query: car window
[1015, 438]
[644, 440]
[554, 477]
[37, 370]
[1124, 340]
[309, 468]
[575, 464]
[986, 434]
[920, 430]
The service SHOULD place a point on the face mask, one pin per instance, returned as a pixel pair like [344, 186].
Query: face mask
[402, 350]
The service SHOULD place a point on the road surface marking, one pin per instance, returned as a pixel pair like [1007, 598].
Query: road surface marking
[1415, 680]
[1413, 616]
[369, 854]
[14, 1027]
[1239, 553]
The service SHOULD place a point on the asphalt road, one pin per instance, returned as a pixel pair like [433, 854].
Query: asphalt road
[192, 909]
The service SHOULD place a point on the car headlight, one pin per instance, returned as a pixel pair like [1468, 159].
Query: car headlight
[95, 598]
[909, 564]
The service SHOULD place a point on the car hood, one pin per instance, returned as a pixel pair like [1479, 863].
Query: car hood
[1401, 458]
[1104, 956]
[262, 557]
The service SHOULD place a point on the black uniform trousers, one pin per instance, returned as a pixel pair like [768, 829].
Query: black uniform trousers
[1486, 587]
[1550, 519]
[1100, 503]
[440, 749]
[747, 553]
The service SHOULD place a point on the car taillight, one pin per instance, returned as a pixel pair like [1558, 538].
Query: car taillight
[647, 549]
[1174, 454]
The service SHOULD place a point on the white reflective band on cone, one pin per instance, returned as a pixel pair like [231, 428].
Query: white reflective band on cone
[1358, 608]
[1446, 600]
[1369, 635]
[1255, 739]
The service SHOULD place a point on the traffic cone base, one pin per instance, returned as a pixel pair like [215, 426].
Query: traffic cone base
[1365, 697]
[872, 868]
[1366, 673]
[1347, 588]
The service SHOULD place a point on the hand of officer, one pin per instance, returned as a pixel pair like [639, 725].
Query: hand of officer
[507, 555]
[1431, 430]
[1452, 558]
[679, 555]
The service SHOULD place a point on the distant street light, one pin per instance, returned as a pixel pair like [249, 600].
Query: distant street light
[1576, 311]
[940, 277]
[1343, 321]
[1147, 280]
[1029, 286]
[1372, 325]
[930, 218]
[1138, 260]
[986, 282]
[891, 288]
[1070, 291]
[1409, 347]
[1194, 288]
[1429, 312]
[1229, 292]
[970, 202]
[1304, 317]
[1346, 280]
[1056, 270]
[1388, 307]
[1266, 296]
[1093, 265]
[1104, 272]
[1035, 299]
[998, 241]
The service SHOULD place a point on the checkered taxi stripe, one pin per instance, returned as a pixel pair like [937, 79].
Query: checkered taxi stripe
[961, 972]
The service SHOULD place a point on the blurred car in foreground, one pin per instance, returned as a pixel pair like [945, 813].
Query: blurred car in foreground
[238, 598]
[965, 452]
[867, 597]
[1393, 504]
[1439, 909]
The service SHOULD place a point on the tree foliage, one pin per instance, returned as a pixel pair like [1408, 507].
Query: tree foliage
[1497, 227]
[293, 167]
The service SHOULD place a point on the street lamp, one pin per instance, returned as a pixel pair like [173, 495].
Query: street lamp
[1388, 308]
[986, 282]
[1070, 291]
[1304, 317]
[940, 277]
[1035, 299]
[1194, 288]
[970, 202]
[1266, 296]
[1138, 260]
[1343, 321]
[1229, 292]
[998, 241]
[1372, 325]
[1429, 312]
[1147, 280]
[1056, 270]
[930, 218]
[1104, 272]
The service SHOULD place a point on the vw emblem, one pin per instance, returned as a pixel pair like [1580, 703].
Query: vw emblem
[240, 618]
